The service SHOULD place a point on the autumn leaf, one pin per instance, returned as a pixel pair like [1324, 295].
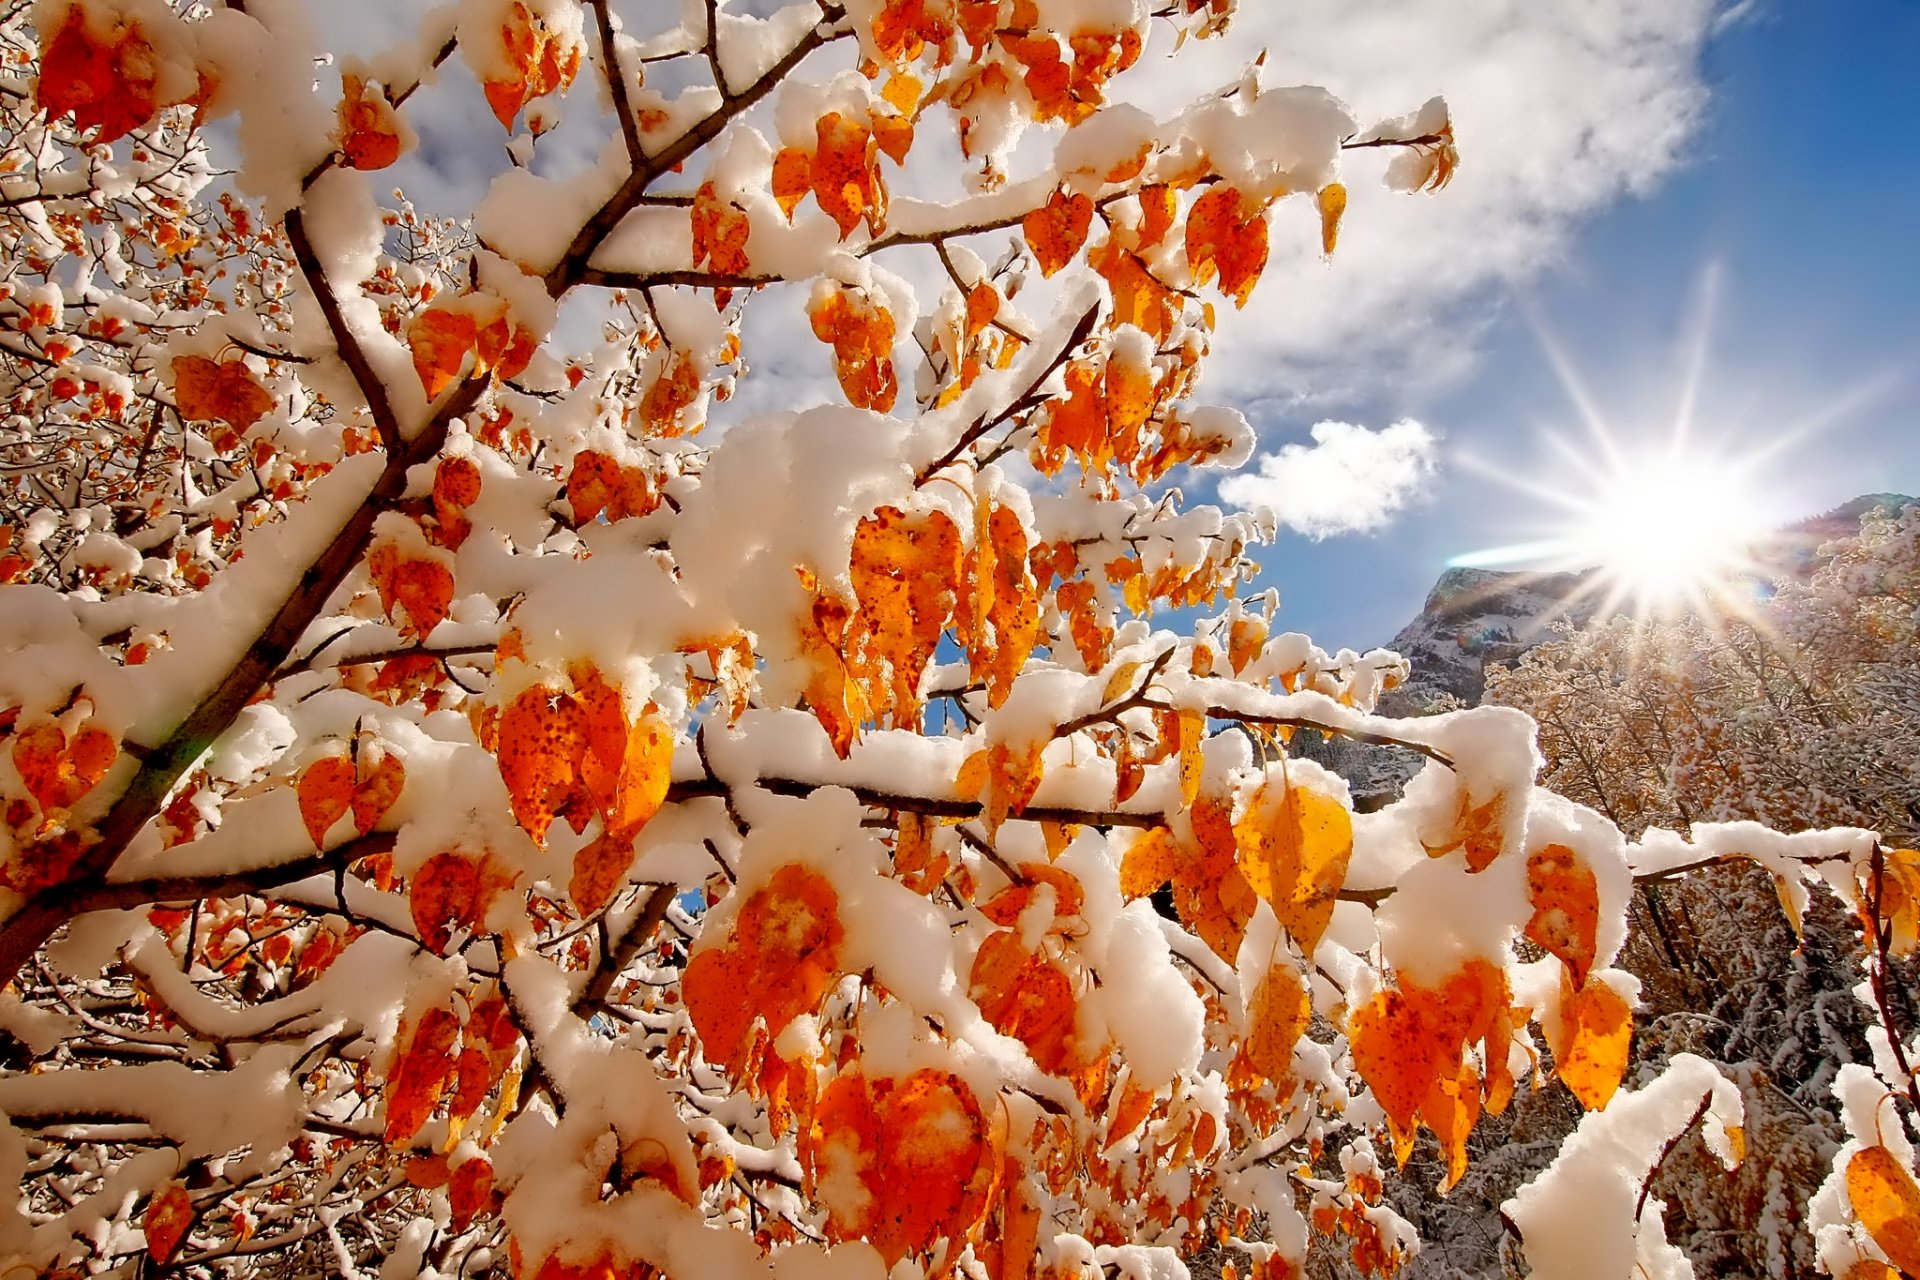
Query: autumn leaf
[1159, 205]
[1026, 996]
[1595, 1036]
[720, 232]
[778, 963]
[169, 1217]
[1566, 907]
[541, 62]
[599, 869]
[1333, 203]
[422, 587]
[107, 79]
[440, 340]
[910, 1159]
[420, 1074]
[1056, 230]
[1227, 235]
[1451, 1110]
[845, 181]
[1409, 1038]
[1245, 638]
[935, 1162]
[1294, 845]
[1192, 736]
[369, 130]
[904, 569]
[1887, 1203]
[205, 390]
[58, 771]
[442, 896]
[1148, 863]
[792, 178]
[542, 740]
[1277, 1017]
[325, 792]
[380, 778]
[470, 1190]
[861, 332]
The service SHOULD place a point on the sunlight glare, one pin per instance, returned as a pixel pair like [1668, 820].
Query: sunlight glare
[1668, 523]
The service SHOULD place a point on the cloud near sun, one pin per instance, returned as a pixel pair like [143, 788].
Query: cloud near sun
[1349, 480]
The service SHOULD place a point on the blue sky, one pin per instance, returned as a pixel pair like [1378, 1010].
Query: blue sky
[1795, 206]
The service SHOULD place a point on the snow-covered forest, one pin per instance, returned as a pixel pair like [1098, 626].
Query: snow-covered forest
[465, 815]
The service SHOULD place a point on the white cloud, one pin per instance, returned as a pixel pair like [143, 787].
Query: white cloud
[1350, 480]
[1559, 109]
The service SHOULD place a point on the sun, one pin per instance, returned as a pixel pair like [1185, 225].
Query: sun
[1669, 525]
[1655, 526]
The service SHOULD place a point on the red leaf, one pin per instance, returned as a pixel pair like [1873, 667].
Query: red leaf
[169, 1218]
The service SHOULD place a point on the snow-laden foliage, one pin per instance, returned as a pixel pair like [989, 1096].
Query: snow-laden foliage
[464, 813]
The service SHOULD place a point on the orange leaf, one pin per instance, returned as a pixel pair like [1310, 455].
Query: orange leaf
[1134, 1106]
[420, 1074]
[326, 793]
[1158, 206]
[440, 340]
[792, 178]
[169, 1218]
[1028, 998]
[106, 85]
[542, 739]
[470, 1191]
[1566, 907]
[1245, 638]
[456, 482]
[369, 133]
[934, 1165]
[646, 771]
[1451, 1110]
[441, 896]
[58, 772]
[1295, 853]
[540, 61]
[1057, 229]
[1887, 1203]
[1006, 906]
[204, 390]
[424, 588]
[376, 790]
[780, 962]
[599, 869]
[903, 570]
[845, 182]
[1224, 237]
[1276, 1019]
[1595, 1037]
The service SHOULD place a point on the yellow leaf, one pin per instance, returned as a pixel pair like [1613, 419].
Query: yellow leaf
[1294, 846]
[1333, 203]
[1276, 1019]
[1887, 1203]
[1595, 1037]
[1147, 864]
[1121, 681]
[1192, 733]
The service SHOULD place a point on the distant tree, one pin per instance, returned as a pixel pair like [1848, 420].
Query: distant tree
[461, 818]
[1801, 710]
